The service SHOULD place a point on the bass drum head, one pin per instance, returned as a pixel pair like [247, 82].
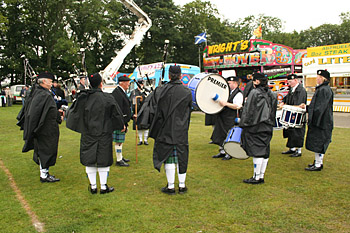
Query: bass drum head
[235, 150]
[210, 86]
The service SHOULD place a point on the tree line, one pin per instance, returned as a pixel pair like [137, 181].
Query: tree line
[55, 34]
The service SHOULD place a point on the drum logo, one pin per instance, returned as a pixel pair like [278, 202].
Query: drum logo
[218, 83]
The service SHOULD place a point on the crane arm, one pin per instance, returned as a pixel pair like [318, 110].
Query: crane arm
[144, 24]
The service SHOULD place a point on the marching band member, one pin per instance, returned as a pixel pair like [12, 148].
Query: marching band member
[142, 131]
[95, 115]
[226, 118]
[320, 120]
[172, 103]
[119, 94]
[296, 96]
[257, 122]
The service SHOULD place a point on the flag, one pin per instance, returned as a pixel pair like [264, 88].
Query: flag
[200, 38]
[258, 32]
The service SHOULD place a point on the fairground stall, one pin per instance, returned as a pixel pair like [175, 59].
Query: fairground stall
[247, 56]
[335, 59]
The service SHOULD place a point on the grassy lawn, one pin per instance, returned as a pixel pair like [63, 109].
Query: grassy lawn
[291, 200]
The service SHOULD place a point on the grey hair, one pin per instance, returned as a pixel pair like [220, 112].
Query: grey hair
[41, 80]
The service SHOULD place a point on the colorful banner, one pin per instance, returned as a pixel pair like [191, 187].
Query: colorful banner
[328, 50]
[257, 53]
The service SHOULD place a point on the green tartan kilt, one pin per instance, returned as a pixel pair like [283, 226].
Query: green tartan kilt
[173, 157]
[118, 136]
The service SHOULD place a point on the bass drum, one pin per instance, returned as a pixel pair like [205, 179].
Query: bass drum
[207, 90]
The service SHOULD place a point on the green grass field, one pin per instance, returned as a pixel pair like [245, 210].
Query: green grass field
[291, 200]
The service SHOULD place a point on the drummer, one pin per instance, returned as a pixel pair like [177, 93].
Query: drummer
[296, 96]
[226, 118]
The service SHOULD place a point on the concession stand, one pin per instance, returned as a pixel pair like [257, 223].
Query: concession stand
[255, 55]
[336, 60]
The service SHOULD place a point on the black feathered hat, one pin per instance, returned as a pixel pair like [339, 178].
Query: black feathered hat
[95, 80]
[232, 78]
[175, 69]
[259, 76]
[324, 73]
[292, 76]
[123, 78]
[46, 75]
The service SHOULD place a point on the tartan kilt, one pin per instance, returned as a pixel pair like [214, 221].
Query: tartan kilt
[118, 136]
[173, 157]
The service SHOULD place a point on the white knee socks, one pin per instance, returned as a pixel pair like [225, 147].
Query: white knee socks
[263, 168]
[318, 159]
[140, 133]
[43, 171]
[118, 151]
[103, 173]
[145, 137]
[170, 174]
[182, 178]
[91, 173]
[143, 133]
[257, 167]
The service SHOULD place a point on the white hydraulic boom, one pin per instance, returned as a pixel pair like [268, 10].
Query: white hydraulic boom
[144, 24]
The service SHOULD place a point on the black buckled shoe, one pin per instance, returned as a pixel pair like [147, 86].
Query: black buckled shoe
[314, 168]
[182, 190]
[121, 163]
[146, 143]
[49, 179]
[288, 152]
[251, 180]
[296, 154]
[227, 157]
[312, 164]
[168, 191]
[91, 190]
[107, 190]
[126, 160]
[219, 156]
[139, 144]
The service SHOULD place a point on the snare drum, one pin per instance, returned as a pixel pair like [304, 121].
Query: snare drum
[207, 90]
[232, 144]
[292, 116]
[278, 124]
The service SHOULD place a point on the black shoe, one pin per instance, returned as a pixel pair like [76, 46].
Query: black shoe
[296, 154]
[314, 168]
[121, 163]
[139, 144]
[288, 152]
[107, 190]
[219, 156]
[168, 191]
[227, 157]
[92, 191]
[182, 190]
[312, 164]
[262, 180]
[49, 179]
[146, 143]
[251, 180]
[126, 160]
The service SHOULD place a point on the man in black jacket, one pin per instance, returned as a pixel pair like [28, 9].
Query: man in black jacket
[41, 131]
[320, 120]
[225, 119]
[170, 119]
[95, 115]
[257, 121]
[296, 96]
[119, 94]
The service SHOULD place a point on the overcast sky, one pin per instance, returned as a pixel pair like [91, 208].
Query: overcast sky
[296, 15]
